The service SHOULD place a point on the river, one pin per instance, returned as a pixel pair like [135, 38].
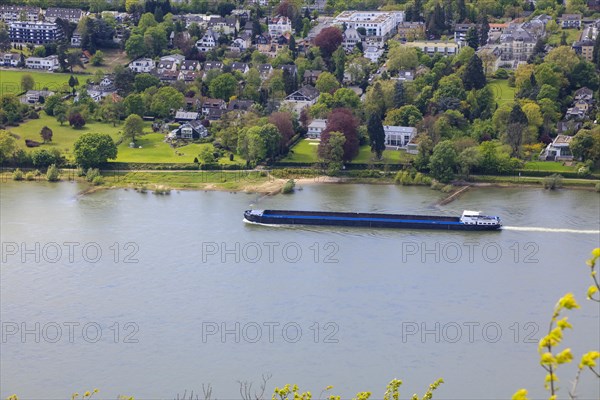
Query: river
[147, 295]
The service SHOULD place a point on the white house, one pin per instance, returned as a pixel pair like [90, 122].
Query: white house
[49, 63]
[315, 128]
[279, 25]
[351, 39]
[379, 25]
[142, 65]
[34, 96]
[373, 53]
[558, 150]
[398, 136]
[208, 42]
[10, 59]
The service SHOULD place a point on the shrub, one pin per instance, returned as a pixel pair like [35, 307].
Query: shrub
[447, 189]
[598, 187]
[98, 180]
[161, 190]
[80, 171]
[501, 73]
[52, 174]
[91, 174]
[29, 176]
[553, 181]
[17, 175]
[288, 187]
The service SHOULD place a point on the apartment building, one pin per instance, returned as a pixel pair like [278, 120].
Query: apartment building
[34, 32]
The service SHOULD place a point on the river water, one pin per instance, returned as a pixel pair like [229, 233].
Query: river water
[147, 295]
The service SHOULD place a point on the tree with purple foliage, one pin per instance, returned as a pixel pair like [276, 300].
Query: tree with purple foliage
[341, 120]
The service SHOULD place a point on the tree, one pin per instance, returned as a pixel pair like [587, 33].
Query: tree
[402, 57]
[596, 52]
[443, 161]
[4, 37]
[342, 120]
[76, 120]
[46, 134]
[283, 122]
[134, 125]
[472, 38]
[474, 77]
[327, 83]
[333, 152]
[135, 46]
[223, 86]
[376, 135]
[485, 29]
[134, 104]
[424, 150]
[165, 100]
[328, 40]
[94, 149]
[144, 81]
[339, 62]
[517, 121]
[73, 82]
[586, 145]
[27, 82]
[8, 146]
[74, 59]
[207, 154]
[43, 158]
[407, 115]
[97, 58]
[399, 94]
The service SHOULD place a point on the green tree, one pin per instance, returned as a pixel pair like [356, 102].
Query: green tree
[134, 104]
[399, 94]
[424, 150]
[207, 154]
[94, 149]
[165, 100]
[46, 134]
[376, 135]
[443, 161]
[134, 125]
[586, 145]
[144, 81]
[27, 82]
[73, 82]
[8, 146]
[223, 86]
[327, 83]
[51, 103]
[517, 122]
[407, 115]
[472, 38]
[474, 77]
[333, 152]
[135, 46]
[339, 62]
[402, 57]
[97, 58]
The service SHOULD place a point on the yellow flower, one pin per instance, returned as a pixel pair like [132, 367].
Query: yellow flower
[589, 359]
[563, 324]
[596, 252]
[87, 394]
[591, 291]
[568, 301]
[564, 356]
[520, 394]
[547, 358]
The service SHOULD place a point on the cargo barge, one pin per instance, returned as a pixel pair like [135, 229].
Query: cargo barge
[468, 221]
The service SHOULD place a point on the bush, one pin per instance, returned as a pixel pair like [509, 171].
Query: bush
[501, 73]
[598, 187]
[29, 176]
[91, 174]
[447, 189]
[553, 181]
[161, 190]
[80, 171]
[288, 187]
[52, 174]
[98, 180]
[17, 175]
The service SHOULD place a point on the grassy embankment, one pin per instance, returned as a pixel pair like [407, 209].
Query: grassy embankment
[503, 93]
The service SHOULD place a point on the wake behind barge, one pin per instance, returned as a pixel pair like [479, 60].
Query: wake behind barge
[468, 221]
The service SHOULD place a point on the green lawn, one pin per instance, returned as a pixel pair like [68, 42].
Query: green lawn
[554, 166]
[155, 150]
[10, 80]
[572, 36]
[63, 136]
[502, 92]
[306, 152]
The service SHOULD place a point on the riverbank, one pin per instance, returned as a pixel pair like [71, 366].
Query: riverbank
[267, 183]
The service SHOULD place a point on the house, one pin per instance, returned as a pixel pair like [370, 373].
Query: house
[76, 39]
[16, 13]
[215, 114]
[558, 150]
[311, 76]
[142, 65]
[279, 25]
[405, 75]
[584, 95]
[212, 104]
[585, 48]
[241, 105]
[189, 76]
[351, 38]
[411, 30]
[497, 27]
[379, 25]
[576, 112]
[517, 42]
[209, 41]
[184, 36]
[227, 25]
[165, 66]
[248, 28]
[460, 32]
[568, 126]
[281, 42]
[35, 96]
[241, 43]
[306, 96]
[315, 128]
[263, 43]
[49, 63]
[373, 53]
[101, 90]
[34, 32]
[189, 130]
[168, 76]
[431, 47]
[265, 70]
[570, 21]
[208, 65]
[291, 69]
[398, 136]
[191, 65]
[177, 59]
[186, 116]
[10, 59]
[240, 67]
[66, 14]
